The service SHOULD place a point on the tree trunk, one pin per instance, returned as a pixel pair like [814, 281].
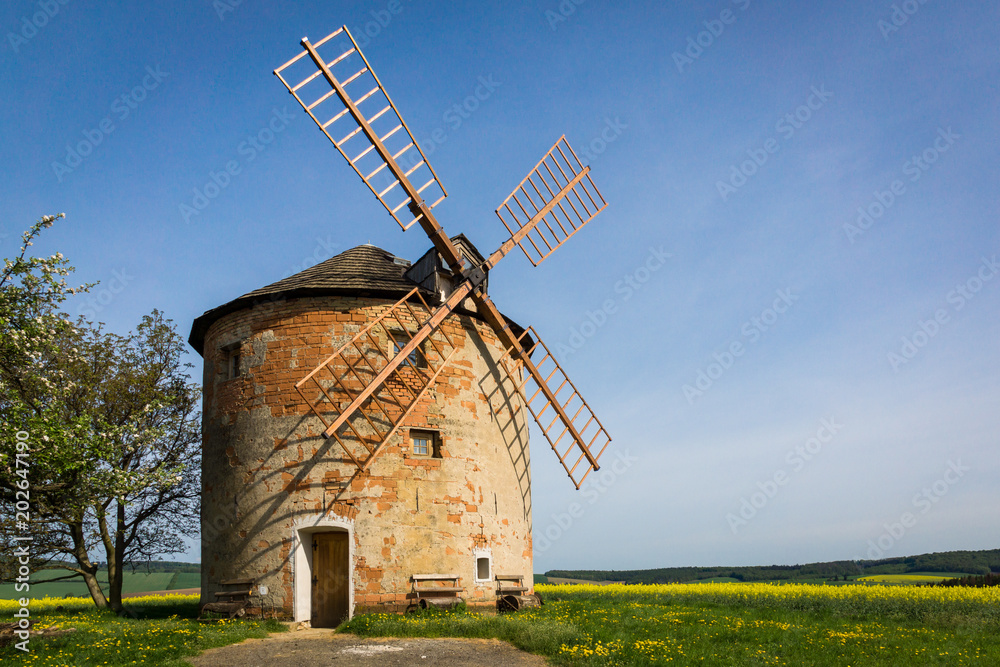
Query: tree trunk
[116, 557]
[94, 587]
[87, 569]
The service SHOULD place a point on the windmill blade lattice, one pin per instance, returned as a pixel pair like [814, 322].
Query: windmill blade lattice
[553, 202]
[342, 390]
[379, 389]
[347, 101]
[572, 451]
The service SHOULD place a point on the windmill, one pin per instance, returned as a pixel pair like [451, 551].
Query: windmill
[343, 95]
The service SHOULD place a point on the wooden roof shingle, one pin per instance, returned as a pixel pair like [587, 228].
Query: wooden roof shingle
[364, 270]
[361, 271]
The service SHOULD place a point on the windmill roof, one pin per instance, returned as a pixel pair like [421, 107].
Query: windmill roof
[364, 270]
[365, 267]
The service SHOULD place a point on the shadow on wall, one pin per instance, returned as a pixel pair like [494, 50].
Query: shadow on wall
[502, 395]
[287, 472]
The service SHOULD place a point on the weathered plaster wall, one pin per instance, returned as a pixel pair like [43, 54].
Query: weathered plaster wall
[267, 470]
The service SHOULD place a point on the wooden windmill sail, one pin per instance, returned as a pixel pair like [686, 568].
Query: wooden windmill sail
[347, 101]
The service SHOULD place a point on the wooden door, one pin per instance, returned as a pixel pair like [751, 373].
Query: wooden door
[331, 579]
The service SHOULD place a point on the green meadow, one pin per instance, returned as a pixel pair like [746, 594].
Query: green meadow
[727, 624]
[132, 582]
[159, 630]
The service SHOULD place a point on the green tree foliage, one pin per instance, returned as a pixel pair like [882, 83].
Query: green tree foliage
[112, 424]
[977, 582]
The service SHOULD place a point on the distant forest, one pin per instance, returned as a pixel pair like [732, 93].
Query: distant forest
[969, 562]
[166, 566]
[156, 566]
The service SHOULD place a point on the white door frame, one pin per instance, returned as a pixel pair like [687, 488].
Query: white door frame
[302, 569]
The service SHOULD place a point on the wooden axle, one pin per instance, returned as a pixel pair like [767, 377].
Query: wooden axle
[517, 602]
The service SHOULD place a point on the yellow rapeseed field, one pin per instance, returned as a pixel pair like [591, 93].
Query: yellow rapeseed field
[660, 624]
[903, 601]
[46, 604]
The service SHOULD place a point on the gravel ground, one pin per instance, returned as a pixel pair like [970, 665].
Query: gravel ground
[324, 647]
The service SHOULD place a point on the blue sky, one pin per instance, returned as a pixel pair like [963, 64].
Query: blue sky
[739, 138]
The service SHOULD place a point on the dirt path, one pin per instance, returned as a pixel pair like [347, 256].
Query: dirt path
[323, 647]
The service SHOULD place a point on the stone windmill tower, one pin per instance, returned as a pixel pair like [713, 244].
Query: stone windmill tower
[365, 419]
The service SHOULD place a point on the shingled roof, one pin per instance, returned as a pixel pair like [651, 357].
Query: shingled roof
[365, 270]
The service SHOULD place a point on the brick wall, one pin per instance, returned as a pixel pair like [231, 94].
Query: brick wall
[267, 471]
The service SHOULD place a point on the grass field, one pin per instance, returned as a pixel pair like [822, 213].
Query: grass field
[163, 634]
[184, 580]
[132, 582]
[710, 624]
[733, 624]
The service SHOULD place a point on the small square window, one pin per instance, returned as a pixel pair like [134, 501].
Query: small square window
[399, 341]
[233, 370]
[424, 444]
[483, 564]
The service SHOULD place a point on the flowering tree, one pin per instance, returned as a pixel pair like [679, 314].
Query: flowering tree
[31, 328]
[112, 426]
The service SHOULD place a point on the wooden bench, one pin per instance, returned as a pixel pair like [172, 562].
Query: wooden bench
[437, 590]
[511, 593]
[233, 602]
